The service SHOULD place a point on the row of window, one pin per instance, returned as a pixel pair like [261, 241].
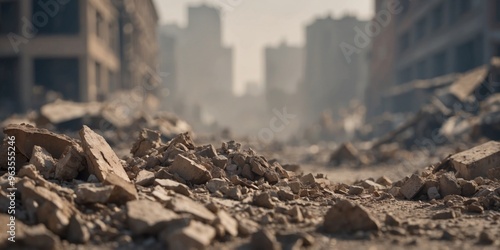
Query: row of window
[435, 20]
[467, 56]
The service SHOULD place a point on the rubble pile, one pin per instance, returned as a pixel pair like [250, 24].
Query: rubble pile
[178, 195]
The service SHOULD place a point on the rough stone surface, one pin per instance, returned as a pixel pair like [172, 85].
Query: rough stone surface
[148, 141]
[147, 217]
[264, 239]
[346, 216]
[145, 178]
[71, 163]
[182, 204]
[100, 157]
[189, 170]
[228, 222]
[216, 184]
[412, 186]
[448, 185]
[477, 161]
[263, 200]
[123, 191]
[93, 193]
[195, 236]
[43, 161]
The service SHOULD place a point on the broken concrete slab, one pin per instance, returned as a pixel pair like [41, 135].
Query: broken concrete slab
[412, 186]
[148, 141]
[229, 224]
[189, 170]
[195, 236]
[346, 216]
[145, 178]
[43, 161]
[123, 190]
[28, 136]
[476, 161]
[72, 162]
[148, 217]
[93, 193]
[102, 160]
[183, 204]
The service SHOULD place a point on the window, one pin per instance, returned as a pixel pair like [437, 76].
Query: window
[421, 70]
[469, 54]
[9, 17]
[61, 18]
[404, 42]
[438, 64]
[420, 29]
[58, 74]
[437, 17]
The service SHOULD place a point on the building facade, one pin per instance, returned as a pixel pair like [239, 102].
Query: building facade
[434, 38]
[68, 47]
[332, 79]
[283, 72]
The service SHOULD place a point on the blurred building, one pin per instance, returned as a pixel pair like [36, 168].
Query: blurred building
[68, 47]
[332, 79]
[283, 71]
[431, 39]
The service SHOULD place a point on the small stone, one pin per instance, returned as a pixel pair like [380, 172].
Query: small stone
[296, 214]
[228, 222]
[220, 161]
[448, 185]
[263, 200]
[43, 161]
[271, 176]
[264, 239]
[469, 188]
[371, 185]
[147, 217]
[216, 184]
[477, 160]
[174, 186]
[294, 186]
[391, 220]
[475, 208]
[234, 193]
[195, 236]
[189, 170]
[246, 172]
[486, 238]
[123, 191]
[71, 163]
[346, 216]
[148, 141]
[247, 227]
[88, 193]
[259, 165]
[451, 214]
[384, 180]
[433, 193]
[145, 178]
[308, 179]
[355, 190]
[412, 186]
[208, 151]
[77, 231]
[183, 204]
[285, 195]
[239, 159]
[494, 174]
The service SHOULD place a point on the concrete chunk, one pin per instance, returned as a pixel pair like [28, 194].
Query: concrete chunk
[100, 157]
[146, 143]
[182, 204]
[477, 161]
[93, 193]
[123, 191]
[70, 164]
[148, 217]
[412, 186]
[43, 161]
[190, 170]
[195, 236]
[346, 216]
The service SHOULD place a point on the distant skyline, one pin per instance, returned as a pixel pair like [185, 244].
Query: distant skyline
[250, 25]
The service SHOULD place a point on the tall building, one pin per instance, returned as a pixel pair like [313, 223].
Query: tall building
[204, 63]
[138, 42]
[333, 76]
[435, 38]
[283, 71]
[69, 47]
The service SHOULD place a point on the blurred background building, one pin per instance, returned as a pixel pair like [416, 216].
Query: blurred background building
[77, 49]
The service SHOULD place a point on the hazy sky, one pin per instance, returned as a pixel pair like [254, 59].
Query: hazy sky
[250, 25]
